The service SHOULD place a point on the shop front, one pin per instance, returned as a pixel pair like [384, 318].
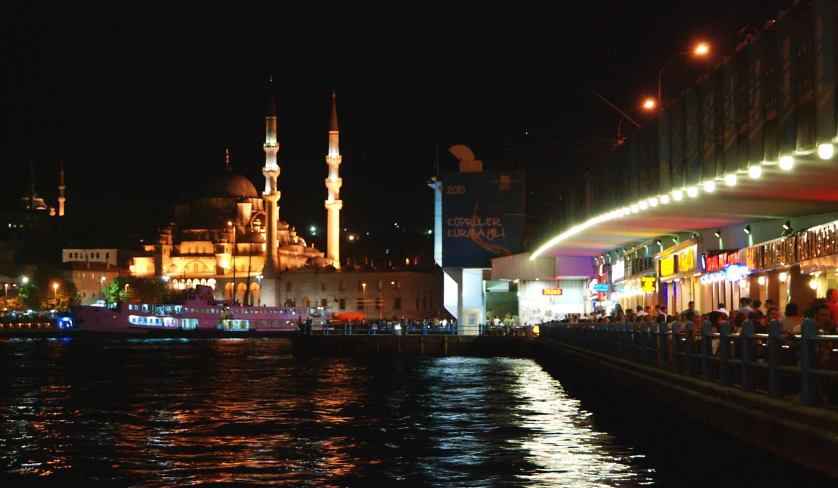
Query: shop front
[635, 282]
[678, 273]
[796, 268]
[724, 280]
[542, 301]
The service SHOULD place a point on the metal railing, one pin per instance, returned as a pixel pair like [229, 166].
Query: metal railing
[778, 364]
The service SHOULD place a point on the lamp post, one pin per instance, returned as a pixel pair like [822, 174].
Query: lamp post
[700, 50]
[648, 104]
[102, 288]
[6, 285]
[364, 301]
[55, 289]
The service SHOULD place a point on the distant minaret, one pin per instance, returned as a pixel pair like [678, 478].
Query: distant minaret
[271, 195]
[61, 187]
[333, 184]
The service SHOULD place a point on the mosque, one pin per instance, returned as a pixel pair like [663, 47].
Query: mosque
[232, 239]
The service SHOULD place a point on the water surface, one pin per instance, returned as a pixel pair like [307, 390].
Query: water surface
[85, 412]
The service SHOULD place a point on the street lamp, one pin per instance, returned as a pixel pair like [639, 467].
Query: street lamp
[102, 288]
[364, 286]
[700, 50]
[648, 104]
[6, 285]
[55, 289]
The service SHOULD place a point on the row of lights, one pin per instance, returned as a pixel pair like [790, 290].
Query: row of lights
[825, 151]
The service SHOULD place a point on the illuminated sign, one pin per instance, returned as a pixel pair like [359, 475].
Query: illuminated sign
[648, 283]
[618, 270]
[686, 260]
[736, 272]
[591, 286]
[668, 266]
[721, 261]
[816, 242]
[601, 287]
[553, 292]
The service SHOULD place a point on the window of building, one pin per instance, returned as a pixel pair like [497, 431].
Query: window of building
[380, 285]
[342, 304]
[287, 287]
[397, 303]
[340, 285]
[324, 302]
[360, 285]
[107, 255]
[69, 255]
[322, 286]
[97, 255]
[359, 304]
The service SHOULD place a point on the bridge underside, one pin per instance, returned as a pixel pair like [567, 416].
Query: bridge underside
[809, 188]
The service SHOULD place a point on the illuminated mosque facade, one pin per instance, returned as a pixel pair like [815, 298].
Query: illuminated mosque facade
[231, 238]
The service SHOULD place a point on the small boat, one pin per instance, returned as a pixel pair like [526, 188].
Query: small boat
[198, 315]
[36, 324]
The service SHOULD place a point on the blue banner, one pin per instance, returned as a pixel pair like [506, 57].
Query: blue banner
[483, 217]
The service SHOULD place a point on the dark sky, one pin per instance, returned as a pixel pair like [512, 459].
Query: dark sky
[140, 99]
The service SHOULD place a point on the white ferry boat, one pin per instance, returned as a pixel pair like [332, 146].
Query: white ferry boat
[199, 312]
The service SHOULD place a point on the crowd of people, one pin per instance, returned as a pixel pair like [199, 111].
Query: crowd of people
[823, 311]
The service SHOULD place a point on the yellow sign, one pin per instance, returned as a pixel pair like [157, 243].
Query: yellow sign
[686, 260]
[668, 266]
[551, 291]
[648, 283]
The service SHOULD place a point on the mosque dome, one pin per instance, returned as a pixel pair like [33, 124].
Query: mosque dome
[229, 184]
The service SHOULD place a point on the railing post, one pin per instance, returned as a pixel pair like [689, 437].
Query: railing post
[775, 347]
[808, 362]
[350, 328]
[675, 338]
[745, 344]
[688, 347]
[706, 349]
[624, 340]
[644, 342]
[662, 349]
[724, 348]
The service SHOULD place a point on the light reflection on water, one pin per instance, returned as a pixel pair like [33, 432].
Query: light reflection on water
[163, 413]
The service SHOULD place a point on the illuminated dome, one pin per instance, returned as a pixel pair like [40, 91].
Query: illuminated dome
[229, 184]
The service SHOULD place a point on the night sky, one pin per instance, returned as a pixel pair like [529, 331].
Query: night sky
[141, 99]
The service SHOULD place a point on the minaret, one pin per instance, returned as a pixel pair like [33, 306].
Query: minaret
[271, 195]
[61, 187]
[333, 184]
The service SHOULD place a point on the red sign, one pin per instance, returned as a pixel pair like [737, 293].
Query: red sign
[721, 261]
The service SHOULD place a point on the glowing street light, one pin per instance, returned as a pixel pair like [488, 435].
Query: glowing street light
[55, 289]
[700, 50]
